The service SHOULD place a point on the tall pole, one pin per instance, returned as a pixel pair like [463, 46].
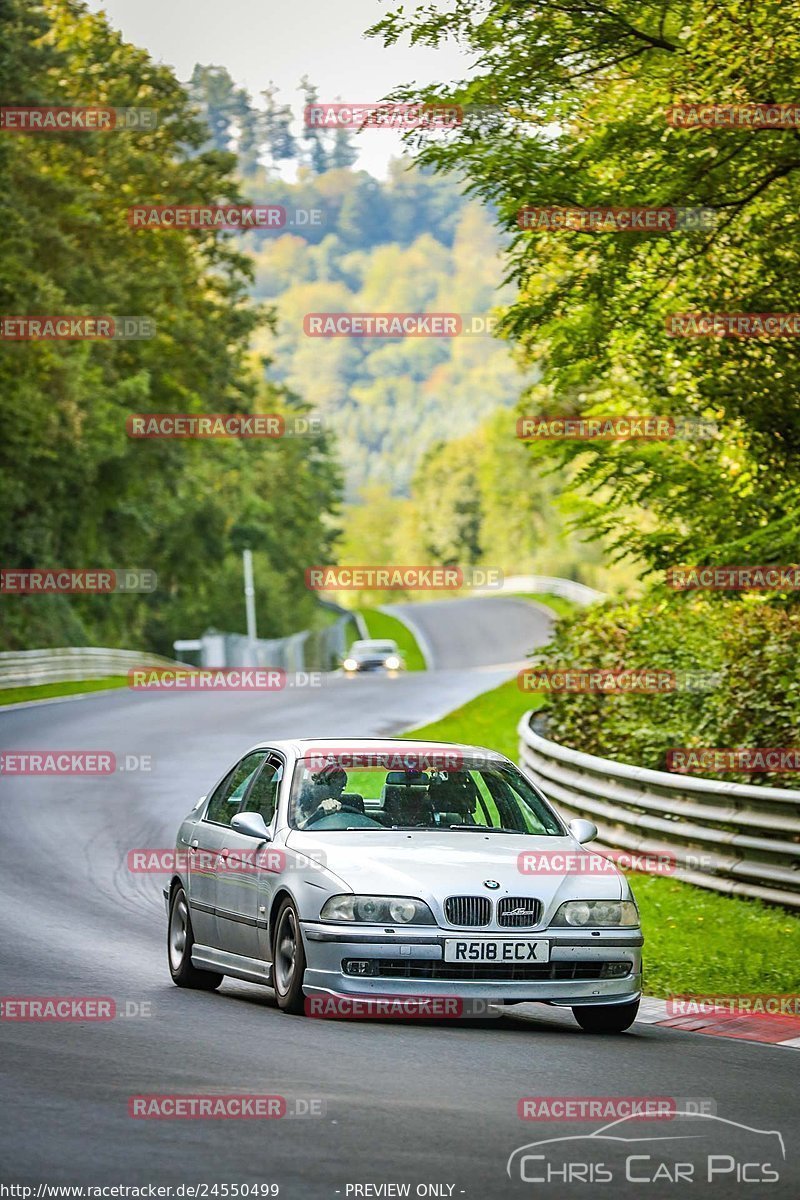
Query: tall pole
[249, 594]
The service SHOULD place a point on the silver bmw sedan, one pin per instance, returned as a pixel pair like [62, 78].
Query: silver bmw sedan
[399, 871]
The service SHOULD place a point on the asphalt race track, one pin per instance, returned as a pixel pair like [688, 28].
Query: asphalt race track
[477, 638]
[406, 1102]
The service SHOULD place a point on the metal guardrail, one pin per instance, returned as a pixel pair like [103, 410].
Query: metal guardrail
[309, 650]
[23, 668]
[737, 838]
[570, 589]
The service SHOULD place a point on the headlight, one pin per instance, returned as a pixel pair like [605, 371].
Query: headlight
[377, 910]
[392, 662]
[597, 913]
[350, 664]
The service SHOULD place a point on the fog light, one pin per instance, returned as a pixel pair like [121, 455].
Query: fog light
[613, 970]
[357, 966]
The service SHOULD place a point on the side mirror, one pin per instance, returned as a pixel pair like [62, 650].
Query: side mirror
[251, 824]
[583, 831]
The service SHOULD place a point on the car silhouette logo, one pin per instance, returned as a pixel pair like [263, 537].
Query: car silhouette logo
[701, 1126]
[491, 883]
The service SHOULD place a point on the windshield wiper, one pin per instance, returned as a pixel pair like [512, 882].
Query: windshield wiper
[386, 828]
[483, 828]
[432, 828]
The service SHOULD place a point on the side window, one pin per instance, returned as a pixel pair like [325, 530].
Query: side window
[263, 795]
[224, 804]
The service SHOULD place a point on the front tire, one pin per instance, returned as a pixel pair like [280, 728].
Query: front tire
[180, 940]
[606, 1018]
[288, 960]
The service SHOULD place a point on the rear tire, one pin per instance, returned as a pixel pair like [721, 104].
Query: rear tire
[606, 1018]
[288, 960]
[180, 940]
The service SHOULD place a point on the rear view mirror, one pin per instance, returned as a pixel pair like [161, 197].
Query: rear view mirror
[251, 824]
[583, 831]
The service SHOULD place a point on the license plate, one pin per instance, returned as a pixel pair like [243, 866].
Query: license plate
[502, 951]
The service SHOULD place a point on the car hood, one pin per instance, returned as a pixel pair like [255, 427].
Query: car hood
[434, 864]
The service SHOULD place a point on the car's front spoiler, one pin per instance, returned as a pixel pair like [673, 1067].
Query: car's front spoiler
[567, 993]
[326, 946]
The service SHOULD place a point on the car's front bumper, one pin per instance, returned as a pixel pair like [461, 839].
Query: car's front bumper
[371, 669]
[326, 947]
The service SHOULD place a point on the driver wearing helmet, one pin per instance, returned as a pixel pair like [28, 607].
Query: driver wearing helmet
[321, 795]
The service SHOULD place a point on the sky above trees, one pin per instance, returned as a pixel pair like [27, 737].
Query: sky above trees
[261, 42]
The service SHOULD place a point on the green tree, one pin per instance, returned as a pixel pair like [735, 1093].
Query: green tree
[76, 491]
[445, 490]
[364, 213]
[279, 141]
[568, 108]
[223, 106]
[343, 152]
[313, 140]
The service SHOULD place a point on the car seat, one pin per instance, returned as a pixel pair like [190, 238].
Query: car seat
[454, 799]
[406, 800]
[353, 801]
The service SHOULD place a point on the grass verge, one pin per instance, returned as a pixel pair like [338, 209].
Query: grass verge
[382, 625]
[72, 687]
[559, 604]
[489, 720]
[696, 940]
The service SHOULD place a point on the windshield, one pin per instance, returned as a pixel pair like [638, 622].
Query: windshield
[374, 647]
[474, 795]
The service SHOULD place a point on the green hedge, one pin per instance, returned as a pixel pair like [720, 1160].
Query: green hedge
[751, 645]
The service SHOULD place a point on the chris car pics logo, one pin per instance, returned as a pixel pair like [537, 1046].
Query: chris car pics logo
[713, 1151]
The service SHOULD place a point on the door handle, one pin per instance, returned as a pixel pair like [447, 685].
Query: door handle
[224, 852]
